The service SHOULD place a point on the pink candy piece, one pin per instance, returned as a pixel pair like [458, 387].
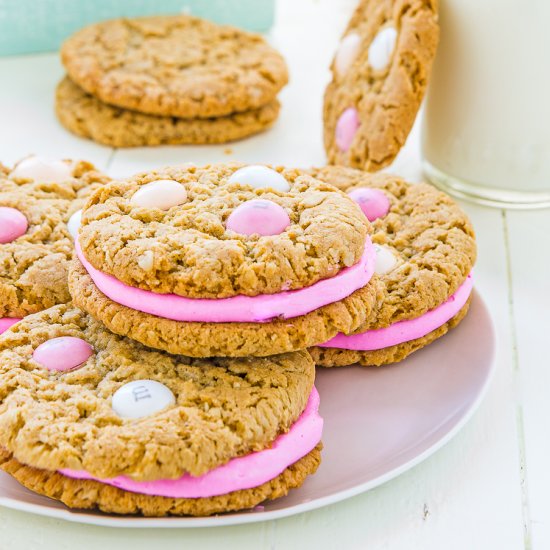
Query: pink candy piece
[373, 202]
[258, 216]
[63, 353]
[13, 224]
[346, 127]
[7, 322]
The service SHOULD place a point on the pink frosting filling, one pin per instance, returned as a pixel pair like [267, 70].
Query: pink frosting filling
[404, 331]
[237, 309]
[7, 322]
[239, 473]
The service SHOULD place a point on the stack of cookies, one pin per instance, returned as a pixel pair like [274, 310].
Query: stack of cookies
[168, 80]
[177, 381]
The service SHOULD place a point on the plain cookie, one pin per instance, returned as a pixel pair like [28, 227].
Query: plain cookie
[88, 117]
[177, 65]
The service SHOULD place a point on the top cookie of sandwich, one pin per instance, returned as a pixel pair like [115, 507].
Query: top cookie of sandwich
[175, 66]
[425, 242]
[37, 199]
[222, 230]
[379, 76]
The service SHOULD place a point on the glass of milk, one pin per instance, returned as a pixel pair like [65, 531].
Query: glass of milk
[486, 125]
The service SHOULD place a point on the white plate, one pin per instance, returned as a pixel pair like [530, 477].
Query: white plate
[379, 422]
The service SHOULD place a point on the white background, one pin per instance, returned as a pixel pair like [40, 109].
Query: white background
[490, 487]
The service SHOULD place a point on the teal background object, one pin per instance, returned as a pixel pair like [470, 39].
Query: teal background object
[29, 26]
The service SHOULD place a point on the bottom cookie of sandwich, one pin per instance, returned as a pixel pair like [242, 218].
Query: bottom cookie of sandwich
[89, 494]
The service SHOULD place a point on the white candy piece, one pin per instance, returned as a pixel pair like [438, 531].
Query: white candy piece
[161, 194]
[385, 260]
[260, 177]
[381, 48]
[142, 398]
[347, 53]
[73, 225]
[42, 170]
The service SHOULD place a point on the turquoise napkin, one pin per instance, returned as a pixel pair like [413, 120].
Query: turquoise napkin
[28, 26]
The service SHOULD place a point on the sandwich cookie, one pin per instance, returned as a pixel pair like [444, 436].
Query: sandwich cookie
[224, 260]
[98, 421]
[38, 199]
[379, 76]
[425, 252]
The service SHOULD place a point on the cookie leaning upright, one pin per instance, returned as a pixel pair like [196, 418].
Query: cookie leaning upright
[379, 76]
[177, 66]
[37, 200]
[225, 260]
[425, 248]
[96, 420]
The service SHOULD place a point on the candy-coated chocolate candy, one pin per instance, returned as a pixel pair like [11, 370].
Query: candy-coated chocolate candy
[347, 53]
[142, 398]
[73, 224]
[346, 127]
[373, 202]
[385, 260]
[258, 216]
[13, 224]
[63, 353]
[381, 48]
[260, 177]
[42, 170]
[161, 194]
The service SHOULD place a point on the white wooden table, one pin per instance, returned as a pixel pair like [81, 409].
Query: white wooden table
[487, 489]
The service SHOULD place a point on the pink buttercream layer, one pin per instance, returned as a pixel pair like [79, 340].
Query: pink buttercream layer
[244, 472]
[237, 309]
[7, 322]
[404, 331]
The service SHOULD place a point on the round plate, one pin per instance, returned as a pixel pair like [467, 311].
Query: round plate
[382, 421]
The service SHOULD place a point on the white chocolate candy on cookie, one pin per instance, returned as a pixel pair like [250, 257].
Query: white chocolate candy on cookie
[42, 170]
[381, 48]
[385, 260]
[142, 398]
[13, 224]
[347, 53]
[260, 177]
[258, 216]
[162, 194]
[74, 223]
